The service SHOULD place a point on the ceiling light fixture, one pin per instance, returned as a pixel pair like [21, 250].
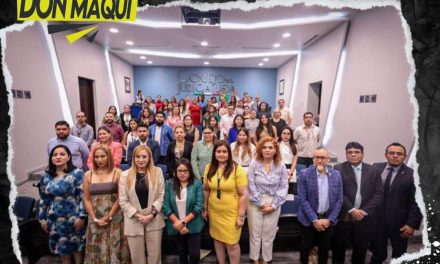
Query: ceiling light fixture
[260, 64]
[204, 43]
[286, 35]
[339, 16]
[160, 53]
[154, 24]
[149, 62]
[276, 45]
[266, 59]
[254, 55]
[114, 30]
[206, 63]
[142, 57]
[129, 42]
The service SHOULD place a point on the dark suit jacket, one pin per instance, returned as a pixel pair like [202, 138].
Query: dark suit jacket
[152, 144]
[121, 116]
[308, 194]
[171, 157]
[400, 208]
[371, 188]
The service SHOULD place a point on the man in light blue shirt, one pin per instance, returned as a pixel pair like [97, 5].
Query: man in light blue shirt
[76, 145]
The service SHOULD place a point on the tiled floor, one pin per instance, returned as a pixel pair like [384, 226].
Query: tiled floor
[279, 257]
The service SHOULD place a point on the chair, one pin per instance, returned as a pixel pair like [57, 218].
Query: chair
[23, 208]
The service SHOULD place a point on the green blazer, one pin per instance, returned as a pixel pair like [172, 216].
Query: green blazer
[194, 203]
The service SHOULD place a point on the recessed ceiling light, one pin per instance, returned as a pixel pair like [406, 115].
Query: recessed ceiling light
[286, 35]
[266, 59]
[114, 30]
[142, 57]
[276, 45]
[149, 62]
[129, 42]
[206, 63]
[204, 43]
[260, 64]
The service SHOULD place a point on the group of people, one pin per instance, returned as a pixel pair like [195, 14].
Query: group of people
[220, 169]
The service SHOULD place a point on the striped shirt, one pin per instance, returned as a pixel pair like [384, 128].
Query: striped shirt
[201, 155]
[274, 184]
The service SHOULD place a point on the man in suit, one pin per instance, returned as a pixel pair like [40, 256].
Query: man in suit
[320, 196]
[399, 215]
[363, 193]
[142, 132]
[125, 117]
[163, 134]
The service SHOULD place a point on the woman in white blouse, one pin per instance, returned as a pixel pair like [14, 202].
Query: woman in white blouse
[289, 152]
[243, 151]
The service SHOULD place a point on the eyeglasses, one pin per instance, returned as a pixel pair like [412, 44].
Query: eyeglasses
[355, 152]
[394, 153]
[219, 193]
[320, 158]
[183, 171]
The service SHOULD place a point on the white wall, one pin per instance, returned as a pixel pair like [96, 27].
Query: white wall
[286, 72]
[375, 64]
[28, 61]
[122, 69]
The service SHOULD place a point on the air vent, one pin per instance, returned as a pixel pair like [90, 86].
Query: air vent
[310, 40]
[257, 48]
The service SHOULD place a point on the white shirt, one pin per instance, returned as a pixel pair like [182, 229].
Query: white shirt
[158, 133]
[181, 203]
[247, 159]
[307, 140]
[286, 153]
[226, 123]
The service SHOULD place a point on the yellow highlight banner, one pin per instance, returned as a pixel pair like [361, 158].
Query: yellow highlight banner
[77, 10]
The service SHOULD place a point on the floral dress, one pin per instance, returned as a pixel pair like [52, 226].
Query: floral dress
[106, 244]
[61, 204]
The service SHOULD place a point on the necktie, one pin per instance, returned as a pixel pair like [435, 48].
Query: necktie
[358, 198]
[387, 184]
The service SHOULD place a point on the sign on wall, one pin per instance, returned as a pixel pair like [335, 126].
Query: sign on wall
[205, 83]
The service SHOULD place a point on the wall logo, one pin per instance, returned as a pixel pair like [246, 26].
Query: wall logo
[77, 11]
[205, 83]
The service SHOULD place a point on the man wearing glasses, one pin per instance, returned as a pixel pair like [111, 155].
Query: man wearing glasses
[363, 192]
[399, 215]
[320, 195]
[83, 130]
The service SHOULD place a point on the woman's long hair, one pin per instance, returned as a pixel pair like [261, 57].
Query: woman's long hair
[276, 158]
[133, 120]
[52, 168]
[214, 165]
[131, 179]
[247, 144]
[268, 126]
[292, 142]
[177, 186]
[110, 163]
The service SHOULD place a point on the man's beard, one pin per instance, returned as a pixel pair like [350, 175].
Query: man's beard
[62, 136]
[320, 168]
[159, 123]
[142, 138]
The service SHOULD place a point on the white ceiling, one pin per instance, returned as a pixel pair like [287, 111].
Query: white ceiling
[161, 30]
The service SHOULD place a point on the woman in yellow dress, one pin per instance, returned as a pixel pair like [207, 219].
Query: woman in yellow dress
[225, 187]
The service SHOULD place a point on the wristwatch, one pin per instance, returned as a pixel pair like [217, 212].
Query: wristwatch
[95, 220]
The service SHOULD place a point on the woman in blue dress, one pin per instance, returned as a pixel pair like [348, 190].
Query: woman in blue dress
[62, 213]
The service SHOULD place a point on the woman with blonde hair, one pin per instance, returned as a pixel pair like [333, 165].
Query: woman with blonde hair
[141, 192]
[268, 187]
[106, 242]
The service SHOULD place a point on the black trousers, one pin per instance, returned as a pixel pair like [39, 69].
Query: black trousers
[188, 244]
[379, 245]
[305, 161]
[359, 233]
[311, 237]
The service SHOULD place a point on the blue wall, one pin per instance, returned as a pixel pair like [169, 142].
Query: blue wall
[185, 81]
